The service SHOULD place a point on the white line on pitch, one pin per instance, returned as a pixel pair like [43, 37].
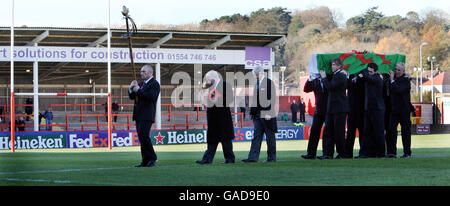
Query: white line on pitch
[34, 180]
[57, 171]
[94, 169]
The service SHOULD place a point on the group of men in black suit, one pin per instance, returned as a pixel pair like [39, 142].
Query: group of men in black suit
[220, 125]
[366, 101]
[300, 107]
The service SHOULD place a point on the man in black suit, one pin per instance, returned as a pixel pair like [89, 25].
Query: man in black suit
[218, 116]
[263, 111]
[337, 109]
[294, 110]
[301, 107]
[145, 95]
[387, 110]
[400, 113]
[355, 118]
[314, 84]
[374, 141]
[29, 109]
[1, 112]
[115, 110]
[20, 124]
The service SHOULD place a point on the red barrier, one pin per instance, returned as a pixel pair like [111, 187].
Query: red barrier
[186, 124]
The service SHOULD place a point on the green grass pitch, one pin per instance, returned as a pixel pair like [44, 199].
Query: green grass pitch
[429, 165]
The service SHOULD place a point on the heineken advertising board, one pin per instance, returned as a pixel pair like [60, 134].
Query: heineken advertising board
[76, 139]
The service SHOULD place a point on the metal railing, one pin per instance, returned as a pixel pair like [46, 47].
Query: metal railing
[96, 123]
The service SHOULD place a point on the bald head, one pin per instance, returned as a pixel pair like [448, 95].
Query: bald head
[146, 72]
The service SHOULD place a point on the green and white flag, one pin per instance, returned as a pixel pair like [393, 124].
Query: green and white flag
[354, 62]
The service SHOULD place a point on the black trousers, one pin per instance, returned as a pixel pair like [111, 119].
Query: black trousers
[388, 130]
[335, 134]
[227, 147]
[374, 141]
[147, 152]
[294, 116]
[302, 117]
[314, 136]
[355, 121]
[405, 123]
[262, 128]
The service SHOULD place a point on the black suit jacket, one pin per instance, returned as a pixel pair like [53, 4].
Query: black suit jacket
[356, 94]
[218, 114]
[266, 103]
[145, 108]
[320, 94]
[373, 92]
[301, 107]
[400, 95]
[337, 98]
[294, 108]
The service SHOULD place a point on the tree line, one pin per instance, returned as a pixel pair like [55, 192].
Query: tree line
[317, 30]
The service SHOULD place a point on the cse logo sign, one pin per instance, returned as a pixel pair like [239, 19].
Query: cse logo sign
[257, 56]
[254, 63]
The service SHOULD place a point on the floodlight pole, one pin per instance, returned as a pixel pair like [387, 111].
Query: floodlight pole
[36, 120]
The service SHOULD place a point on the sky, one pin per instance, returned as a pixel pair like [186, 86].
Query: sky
[88, 13]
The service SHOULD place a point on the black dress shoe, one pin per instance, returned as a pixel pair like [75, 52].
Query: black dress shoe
[228, 162]
[140, 165]
[308, 157]
[202, 162]
[343, 157]
[152, 163]
[406, 156]
[324, 157]
[270, 161]
[361, 157]
[248, 160]
[391, 156]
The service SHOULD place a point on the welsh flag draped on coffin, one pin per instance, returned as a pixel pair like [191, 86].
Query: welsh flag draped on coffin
[355, 61]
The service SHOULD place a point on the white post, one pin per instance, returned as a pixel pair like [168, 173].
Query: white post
[282, 69]
[12, 48]
[421, 69]
[93, 97]
[36, 96]
[235, 102]
[417, 79]
[109, 48]
[158, 103]
[109, 79]
[432, 82]
[282, 82]
[421, 74]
